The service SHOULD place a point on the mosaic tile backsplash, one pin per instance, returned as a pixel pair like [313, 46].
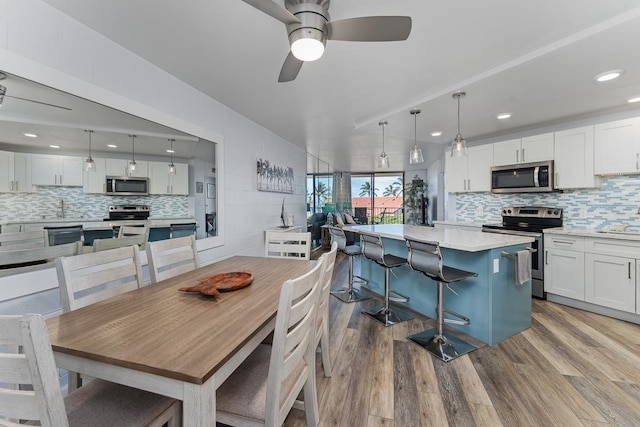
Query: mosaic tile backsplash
[44, 203]
[617, 201]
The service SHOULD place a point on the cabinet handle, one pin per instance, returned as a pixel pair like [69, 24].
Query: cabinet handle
[629, 270]
[557, 183]
[55, 179]
[523, 155]
[517, 157]
[563, 242]
[167, 189]
[469, 181]
[60, 179]
[637, 161]
[546, 257]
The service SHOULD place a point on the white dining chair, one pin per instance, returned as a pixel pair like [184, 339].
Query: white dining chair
[23, 240]
[170, 257]
[25, 260]
[280, 244]
[129, 231]
[264, 388]
[30, 392]
[322, 325]
[88, 278]
[104, 244]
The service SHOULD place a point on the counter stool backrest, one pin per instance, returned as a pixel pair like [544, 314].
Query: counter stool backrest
[425, 256]
[338, 236]
[372, 247]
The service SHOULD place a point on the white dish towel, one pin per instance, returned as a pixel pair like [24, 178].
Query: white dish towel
[523, 267]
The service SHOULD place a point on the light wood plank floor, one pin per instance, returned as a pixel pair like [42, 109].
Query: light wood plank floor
[571, 368]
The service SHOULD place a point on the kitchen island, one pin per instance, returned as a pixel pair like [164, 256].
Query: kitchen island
[497, 306]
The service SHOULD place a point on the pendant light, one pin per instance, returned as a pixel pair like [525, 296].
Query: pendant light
[383, 160]
[89, 164]
[415, 155]
[459, 145]
[172, 167]
[132, 164]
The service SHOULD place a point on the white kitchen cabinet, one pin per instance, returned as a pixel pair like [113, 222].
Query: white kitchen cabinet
[617, 147]
[470, 173]
[47, 169]
[529, 149]
[160, 182]
[95, 182]
[120, 167]
[564, 266]
[6, 171]
[573, 159]
[610, 281]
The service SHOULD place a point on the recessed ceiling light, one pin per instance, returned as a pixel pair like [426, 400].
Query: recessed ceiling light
[436, 133]
[170, 151]
[112, 146]
[503, 116]
[608, 75]
[54, 146]
[30, 135]
[634, 99]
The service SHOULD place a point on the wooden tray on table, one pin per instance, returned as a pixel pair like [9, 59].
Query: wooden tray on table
[223, 282]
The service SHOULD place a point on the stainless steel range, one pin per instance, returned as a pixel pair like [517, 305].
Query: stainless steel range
[529, 221]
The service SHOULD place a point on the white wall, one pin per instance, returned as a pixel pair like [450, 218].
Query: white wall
[39, 43]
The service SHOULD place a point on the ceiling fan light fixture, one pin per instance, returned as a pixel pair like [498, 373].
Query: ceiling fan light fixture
[415, 154]
[383, 159]
[89, 164]
[307, 44]
[459, 144]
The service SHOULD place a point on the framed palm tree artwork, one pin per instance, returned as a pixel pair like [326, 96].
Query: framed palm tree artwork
[275, 178]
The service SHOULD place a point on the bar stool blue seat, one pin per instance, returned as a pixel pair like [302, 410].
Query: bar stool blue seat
[425, 257]
[350, 294]
[373, 249]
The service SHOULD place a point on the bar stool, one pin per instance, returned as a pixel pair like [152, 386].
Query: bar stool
[373, 249]
[350, 294]
[425, 257]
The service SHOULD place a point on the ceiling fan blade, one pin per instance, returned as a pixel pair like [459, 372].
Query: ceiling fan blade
[38, 102]
[273, 10]
[290, 68]
[370, 29]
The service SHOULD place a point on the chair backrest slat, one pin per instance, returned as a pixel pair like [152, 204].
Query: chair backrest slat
[44, 254]
[293, 341]
[287, 245]
[170, 257]
[23, 240]
[36, 367]
[105, 244]
[89, 278]
[323, 301]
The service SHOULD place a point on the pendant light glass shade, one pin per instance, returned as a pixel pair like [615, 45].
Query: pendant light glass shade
[132, 164]
[172, 167]
[415, 155]
[383, 160]
[89, 164]
[459, 145]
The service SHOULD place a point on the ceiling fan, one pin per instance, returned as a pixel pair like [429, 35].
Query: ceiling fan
[309, 27]
[3, 94]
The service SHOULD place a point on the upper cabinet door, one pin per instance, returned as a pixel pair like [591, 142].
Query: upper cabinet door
[537, 148]
[506, 152]
[479, 165]
[617, 147]
[573, 159]
[7, 182]
[50, 169]
[455, 173]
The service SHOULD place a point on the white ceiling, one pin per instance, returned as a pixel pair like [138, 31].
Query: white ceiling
[533, 58]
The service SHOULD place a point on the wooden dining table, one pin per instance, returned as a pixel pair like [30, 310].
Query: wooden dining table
[181, 345]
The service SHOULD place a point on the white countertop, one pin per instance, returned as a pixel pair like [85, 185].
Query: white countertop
[591, 232]
[452, 238]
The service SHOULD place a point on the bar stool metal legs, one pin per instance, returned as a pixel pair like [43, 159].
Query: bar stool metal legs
[351, 294]
[444, 346]
[384, 314]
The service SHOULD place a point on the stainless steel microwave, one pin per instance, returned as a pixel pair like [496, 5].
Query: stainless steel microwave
[536, 177]
[127, 186]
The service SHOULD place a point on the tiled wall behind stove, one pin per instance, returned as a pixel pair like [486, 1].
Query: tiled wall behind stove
[45, 201]
[617, 201]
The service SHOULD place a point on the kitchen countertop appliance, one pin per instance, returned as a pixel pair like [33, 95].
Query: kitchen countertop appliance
[529, 221]
[128, 213]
